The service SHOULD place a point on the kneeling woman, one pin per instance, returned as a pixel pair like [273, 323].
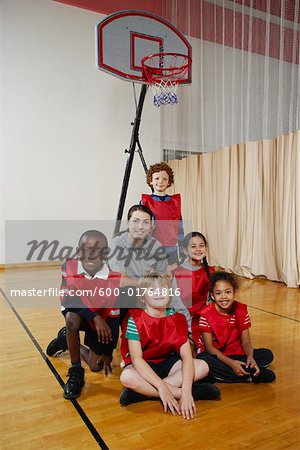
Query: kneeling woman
[157, 354]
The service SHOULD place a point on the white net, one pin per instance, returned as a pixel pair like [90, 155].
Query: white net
[164, 72]
[164, 92]
[246, 73]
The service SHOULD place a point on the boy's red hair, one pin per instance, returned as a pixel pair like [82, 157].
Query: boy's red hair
[159, 167]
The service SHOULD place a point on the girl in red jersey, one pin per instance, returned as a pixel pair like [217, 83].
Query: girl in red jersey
[192, 278]
[224, 327]
[157, 354]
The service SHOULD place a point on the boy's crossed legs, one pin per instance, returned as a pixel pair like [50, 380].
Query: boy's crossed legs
[138, 389]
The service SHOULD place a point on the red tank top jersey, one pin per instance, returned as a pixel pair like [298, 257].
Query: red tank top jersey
[160, 337]
[194, 287]
[90, 290]
[167, 214]
[226, 330]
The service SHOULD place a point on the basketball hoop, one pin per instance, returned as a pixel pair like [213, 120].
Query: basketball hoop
[164, 72]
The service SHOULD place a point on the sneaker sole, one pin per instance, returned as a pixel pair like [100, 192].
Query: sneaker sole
[71, 397]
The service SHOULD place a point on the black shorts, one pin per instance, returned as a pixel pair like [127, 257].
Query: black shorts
[163, 369]
[91, 337]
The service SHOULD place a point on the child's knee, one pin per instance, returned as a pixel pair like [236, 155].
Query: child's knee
[268, 356]
[72, 322]
[127, 378]
[201, 368]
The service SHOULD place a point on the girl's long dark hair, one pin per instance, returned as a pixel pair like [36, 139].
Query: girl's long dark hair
[186, 241]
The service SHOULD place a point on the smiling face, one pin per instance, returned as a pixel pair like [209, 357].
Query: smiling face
[196, 250]
[92, 252]
[160, 182]
[157, 296]
[223, 294]
[140, 225]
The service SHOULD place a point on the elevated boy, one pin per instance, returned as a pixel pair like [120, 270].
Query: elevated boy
[166, 208]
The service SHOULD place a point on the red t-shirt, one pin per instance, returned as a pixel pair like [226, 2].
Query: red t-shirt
[226, 330]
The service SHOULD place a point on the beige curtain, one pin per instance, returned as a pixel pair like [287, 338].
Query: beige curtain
[246, 200]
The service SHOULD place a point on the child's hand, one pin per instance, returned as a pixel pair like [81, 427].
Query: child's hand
[252, 363]
[168, 399]
[102, 329]
[105, 361]
[238, 367]
[187, 406]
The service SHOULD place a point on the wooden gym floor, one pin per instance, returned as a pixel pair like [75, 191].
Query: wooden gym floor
[34, 414]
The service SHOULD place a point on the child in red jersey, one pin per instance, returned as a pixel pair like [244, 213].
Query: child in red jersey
[224, 326]
[90, 290]
[192, 278]
[166, 209]
[157, 354]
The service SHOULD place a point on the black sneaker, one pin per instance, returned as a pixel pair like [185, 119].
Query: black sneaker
[205, 391]
[265, 376]
[128, 397]
[59, 344]
[75, 382]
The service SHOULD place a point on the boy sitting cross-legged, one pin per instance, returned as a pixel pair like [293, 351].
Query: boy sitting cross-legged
[157, 354]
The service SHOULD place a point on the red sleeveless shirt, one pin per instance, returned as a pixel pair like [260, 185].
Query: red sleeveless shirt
[194, 287]
[167, 214]
[160, 337]
[90, 290]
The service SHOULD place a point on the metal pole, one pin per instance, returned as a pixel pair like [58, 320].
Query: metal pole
[134, 140]
[140, 152]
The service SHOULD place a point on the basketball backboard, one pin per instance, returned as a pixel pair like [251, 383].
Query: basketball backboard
[124, 38]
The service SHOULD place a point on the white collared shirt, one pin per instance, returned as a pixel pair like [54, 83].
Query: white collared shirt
[102, 274]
